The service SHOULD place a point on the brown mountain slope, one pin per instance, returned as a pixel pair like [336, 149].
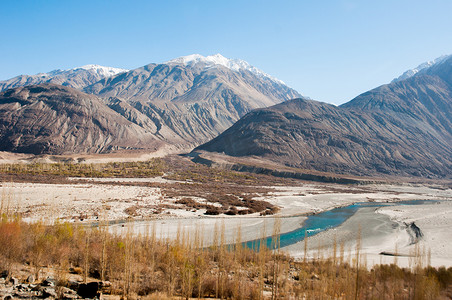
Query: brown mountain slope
[425, 97]
[190, 103]
[50, 118]
[183, 102]
[402, 128]
[77, 78]
[313, 135]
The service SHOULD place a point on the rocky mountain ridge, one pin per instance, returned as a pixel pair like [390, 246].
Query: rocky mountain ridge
[216, 60]
[54, 119]
[402, 128]
[190, 101]
[77, 78]
[179, 104]
[411, 72]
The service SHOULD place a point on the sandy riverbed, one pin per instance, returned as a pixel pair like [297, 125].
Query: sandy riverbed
[88, 202]
[435, 222]
[384, 229]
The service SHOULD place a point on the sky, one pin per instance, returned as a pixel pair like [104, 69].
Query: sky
[330, 51]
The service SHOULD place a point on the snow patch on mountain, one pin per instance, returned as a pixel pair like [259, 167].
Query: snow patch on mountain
[101, 70]
[423, 66]
[77, 78]
[219, 60]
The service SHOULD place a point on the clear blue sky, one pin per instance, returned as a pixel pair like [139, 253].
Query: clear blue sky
[330, 51]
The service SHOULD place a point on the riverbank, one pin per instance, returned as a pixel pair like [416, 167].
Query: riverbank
[65, 261]
[381, 229]
[142, 201]
[435, 222]
[384, 236]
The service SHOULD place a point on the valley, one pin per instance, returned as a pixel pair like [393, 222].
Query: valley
[173, 194]
[227, 150]
[201, 155]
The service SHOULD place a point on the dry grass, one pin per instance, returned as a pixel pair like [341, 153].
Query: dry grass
[170, 167]
[228, 188]
[144, 266]
[151, 168]
[229, 195]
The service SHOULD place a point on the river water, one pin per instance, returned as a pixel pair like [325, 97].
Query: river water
[322, 221]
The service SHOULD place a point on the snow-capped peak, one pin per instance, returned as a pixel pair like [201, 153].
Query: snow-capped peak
[218, 59]
[101, 70]
[421, 67]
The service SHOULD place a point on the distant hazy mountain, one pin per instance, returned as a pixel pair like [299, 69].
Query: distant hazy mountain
[54, 119]
[191, 99]
[399, 128]
[77, 78]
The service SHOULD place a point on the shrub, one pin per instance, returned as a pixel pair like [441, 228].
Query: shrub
[213, 210]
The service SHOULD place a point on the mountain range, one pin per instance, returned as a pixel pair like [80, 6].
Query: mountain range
[182, 103]
[191, 99]
[401, 128]
[77, 78]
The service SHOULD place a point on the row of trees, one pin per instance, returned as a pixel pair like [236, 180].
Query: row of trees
[140, 265]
